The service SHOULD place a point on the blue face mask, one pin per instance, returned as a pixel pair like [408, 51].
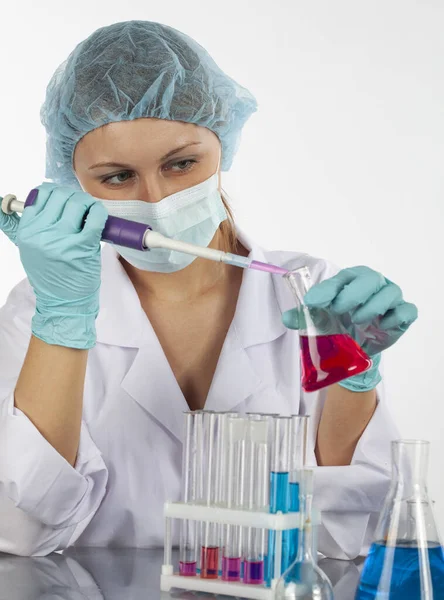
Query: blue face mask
[192, 215]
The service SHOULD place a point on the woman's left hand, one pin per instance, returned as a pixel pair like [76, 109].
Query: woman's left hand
[370, 306]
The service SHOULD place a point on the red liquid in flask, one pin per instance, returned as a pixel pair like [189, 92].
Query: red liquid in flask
[209, 562]
[327, 359]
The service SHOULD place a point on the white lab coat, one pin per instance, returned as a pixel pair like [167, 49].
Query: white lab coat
[129, 459]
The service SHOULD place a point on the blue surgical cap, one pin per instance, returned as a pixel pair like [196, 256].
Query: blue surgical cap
[138, 69]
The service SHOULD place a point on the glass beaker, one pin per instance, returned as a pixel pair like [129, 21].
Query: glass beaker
[406, 561]
[328, 353]
[304, 580]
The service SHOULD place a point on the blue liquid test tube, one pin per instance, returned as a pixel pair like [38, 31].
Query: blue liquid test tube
[298, 456]
[279, 492]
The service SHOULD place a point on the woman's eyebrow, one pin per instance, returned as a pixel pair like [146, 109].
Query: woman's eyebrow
[125, 166]
[168, 154]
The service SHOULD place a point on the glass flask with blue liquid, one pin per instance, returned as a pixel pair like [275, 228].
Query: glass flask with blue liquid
[406, 561]
[304, 580]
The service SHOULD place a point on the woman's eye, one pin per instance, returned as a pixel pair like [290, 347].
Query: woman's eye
[182, 166]
[119, 178]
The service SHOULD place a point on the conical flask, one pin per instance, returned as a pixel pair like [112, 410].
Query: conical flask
[406, 562]
[304, 580]
[328, 353]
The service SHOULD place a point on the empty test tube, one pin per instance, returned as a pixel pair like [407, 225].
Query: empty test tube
[257, 496]
[221, 456]
[235, 482]
[209, 556]
[193, 422]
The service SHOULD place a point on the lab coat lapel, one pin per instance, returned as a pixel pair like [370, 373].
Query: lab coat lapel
[235, 378]
[257, 320]
[122, 322]
[151, 382]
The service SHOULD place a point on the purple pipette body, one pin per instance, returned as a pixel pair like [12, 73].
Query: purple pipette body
[122, 232]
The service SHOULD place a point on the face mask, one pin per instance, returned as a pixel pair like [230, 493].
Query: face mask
[191, 215]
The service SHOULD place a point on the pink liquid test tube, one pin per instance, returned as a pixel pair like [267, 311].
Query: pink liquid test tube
[191, 458]
[208, 474]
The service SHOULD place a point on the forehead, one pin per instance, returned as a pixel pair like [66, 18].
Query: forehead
[141, 139]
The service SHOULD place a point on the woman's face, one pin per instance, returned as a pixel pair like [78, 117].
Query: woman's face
[146, 159]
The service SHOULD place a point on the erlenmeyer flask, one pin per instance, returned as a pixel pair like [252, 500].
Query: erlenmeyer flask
[304, 580]
[406, 562]
[328, 353]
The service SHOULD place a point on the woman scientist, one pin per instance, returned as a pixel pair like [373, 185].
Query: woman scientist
[102, 351]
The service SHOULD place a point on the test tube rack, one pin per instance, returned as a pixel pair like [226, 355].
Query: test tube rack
[262, 520]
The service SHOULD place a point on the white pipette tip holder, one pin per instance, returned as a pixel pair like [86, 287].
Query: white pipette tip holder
[262, 520]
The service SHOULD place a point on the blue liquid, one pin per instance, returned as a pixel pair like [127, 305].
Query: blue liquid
[279, 494]
[294, 497]
[279, 501]
[294, 533]
[405, 580]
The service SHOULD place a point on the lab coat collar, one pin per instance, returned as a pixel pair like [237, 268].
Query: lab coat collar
[258, 318]
[122, 321]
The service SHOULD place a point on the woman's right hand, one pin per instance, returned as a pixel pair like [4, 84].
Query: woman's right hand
[59, 242]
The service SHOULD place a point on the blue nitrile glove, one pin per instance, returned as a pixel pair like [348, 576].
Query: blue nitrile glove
[9, 224]
[60, 252]
[372, 310]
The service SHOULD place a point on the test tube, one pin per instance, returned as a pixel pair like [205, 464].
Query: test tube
[279, 491]
[298, 454]
[190, 490]
[209, 555]
[232, 549]
[221, 469]
[221, 456]
[257, 490]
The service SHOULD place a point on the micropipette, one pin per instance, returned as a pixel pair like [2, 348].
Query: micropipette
[139, 236]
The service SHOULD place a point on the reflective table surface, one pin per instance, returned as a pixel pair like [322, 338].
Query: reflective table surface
[120, 574]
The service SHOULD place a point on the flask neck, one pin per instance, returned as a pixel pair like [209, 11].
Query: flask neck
[410, 466]
[305, 552]
[300, 282]
[407, 516]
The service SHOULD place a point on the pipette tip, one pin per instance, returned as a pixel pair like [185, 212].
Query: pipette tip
[261, 266]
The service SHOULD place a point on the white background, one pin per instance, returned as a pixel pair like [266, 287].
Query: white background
[344, 159]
